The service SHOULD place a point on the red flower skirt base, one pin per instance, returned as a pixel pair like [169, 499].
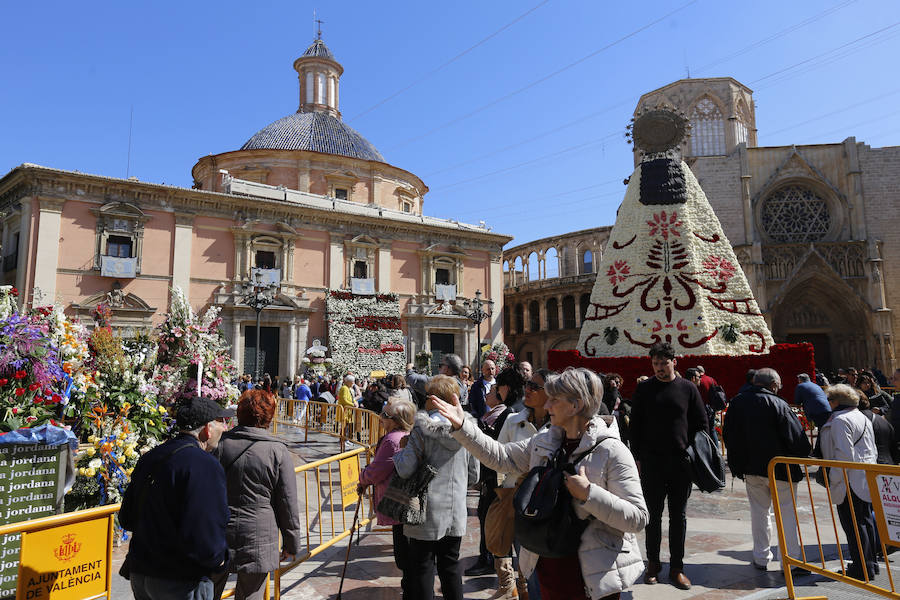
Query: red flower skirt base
[730, 371]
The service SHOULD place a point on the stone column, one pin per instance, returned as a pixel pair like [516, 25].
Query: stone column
[854, 191]
[24, 256]
[336, 263]
[237, 344]
[292, 349]
[47, 248]
[181, 252]
[559, 308]
[384, 269]
[495, 283]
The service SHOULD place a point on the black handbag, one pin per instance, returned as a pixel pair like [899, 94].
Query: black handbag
[405, 500]
[545, 520]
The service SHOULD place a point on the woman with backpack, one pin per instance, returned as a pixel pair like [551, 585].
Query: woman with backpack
[601, 482]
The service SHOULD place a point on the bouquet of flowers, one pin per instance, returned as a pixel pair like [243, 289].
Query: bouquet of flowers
[500, 354]
[187, 341]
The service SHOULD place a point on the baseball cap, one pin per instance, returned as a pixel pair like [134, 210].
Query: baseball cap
[191, 413]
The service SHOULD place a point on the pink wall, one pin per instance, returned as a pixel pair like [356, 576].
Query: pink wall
[212, 249]
[405, 268]
[310, 258]
[475, 276]
[77, 236]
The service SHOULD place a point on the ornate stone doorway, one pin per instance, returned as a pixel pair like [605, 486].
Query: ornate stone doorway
[822, 344]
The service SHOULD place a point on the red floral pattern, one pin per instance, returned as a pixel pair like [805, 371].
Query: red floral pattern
[617, 271]
[719, 268]
[664, 225]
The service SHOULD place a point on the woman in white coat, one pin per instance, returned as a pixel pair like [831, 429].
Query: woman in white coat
[848, 435]
[606, 490]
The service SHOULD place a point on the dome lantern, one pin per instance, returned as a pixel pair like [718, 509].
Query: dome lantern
[319, 75]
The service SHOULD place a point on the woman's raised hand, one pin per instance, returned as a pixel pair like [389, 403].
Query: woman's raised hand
[453, 412]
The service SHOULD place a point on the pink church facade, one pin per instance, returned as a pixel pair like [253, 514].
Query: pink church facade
[306, 201]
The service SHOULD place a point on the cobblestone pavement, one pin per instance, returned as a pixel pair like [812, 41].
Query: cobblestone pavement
[718, 552]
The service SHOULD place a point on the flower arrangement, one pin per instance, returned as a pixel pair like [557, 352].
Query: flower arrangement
[423, 361]
[364, 332]
[186, 340]
[499, 353]
[669, 274]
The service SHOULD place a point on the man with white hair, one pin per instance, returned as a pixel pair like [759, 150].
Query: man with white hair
[759, 426]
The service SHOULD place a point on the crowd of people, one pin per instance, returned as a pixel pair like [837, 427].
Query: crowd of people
[212, 502]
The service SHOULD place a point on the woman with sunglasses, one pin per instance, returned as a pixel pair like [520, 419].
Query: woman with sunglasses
[522, 426]
[397, 419]
[605, 490]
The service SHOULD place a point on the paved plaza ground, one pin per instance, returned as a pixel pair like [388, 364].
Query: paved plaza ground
[718, 551]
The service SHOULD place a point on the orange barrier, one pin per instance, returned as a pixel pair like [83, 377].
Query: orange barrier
[876, 475]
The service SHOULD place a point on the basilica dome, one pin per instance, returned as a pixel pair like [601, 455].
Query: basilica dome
[316, 132]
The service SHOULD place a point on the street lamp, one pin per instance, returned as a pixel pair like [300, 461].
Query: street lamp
[257, 295]
[476, 313]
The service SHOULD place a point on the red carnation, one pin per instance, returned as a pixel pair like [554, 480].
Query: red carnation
[20, 374]
[38, 400]
[34, 386]
[14, 292]
[19, 391]
[48, 392]
[57, 398]
[4, 381]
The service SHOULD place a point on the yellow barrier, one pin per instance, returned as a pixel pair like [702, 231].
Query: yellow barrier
[348, 424]
[887, 537]
[323, 527]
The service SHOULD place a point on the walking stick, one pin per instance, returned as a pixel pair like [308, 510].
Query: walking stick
[349, 544]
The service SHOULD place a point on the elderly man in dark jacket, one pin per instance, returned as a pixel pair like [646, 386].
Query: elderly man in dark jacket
[177, 510]
[758, 426]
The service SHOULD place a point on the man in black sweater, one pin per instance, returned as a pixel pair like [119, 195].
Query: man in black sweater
[666, 413]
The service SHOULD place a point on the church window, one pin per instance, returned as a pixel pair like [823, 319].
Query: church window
[442, 276]
[796, 214]
[534, 316]
[568, 305]
[119, 246]
[407, 207]
[320, 89]
[588, 262]
[309, 87]
[552, 314]
[708, 129]
[741, 131]
[360, 270]
[340, 193]
[520, 319]
[265, 259]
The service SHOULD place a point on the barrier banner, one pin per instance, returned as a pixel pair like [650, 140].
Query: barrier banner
[32, 484]
[885, 492]
[68, 562]
[349, 480]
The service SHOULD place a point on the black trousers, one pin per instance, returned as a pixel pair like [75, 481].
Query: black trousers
[485, 498]
[401, 556]
[423, 556]
[865, 555]
[664, 478]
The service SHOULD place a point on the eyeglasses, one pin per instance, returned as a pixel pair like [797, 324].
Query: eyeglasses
[530, 385]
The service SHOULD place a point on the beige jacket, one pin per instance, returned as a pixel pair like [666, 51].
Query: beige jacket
[609, 552]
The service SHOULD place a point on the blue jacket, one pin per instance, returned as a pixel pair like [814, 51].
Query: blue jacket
[814, 402]
[177, 507]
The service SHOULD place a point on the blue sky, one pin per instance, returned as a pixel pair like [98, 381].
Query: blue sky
[511, 112]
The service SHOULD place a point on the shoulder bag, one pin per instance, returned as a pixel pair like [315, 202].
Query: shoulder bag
[707, 466]
[499, 523]
[405, 499]
[545, 520]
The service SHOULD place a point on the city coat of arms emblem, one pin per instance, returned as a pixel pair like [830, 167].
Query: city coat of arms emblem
[67, 549]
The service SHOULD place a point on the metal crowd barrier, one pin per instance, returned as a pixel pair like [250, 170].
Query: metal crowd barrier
[326, 495]
[356, 425]
[884, 486]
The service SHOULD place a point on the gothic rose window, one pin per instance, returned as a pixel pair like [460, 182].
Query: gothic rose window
[795, 214]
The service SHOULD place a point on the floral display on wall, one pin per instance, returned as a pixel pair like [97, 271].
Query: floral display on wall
[364, 332]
